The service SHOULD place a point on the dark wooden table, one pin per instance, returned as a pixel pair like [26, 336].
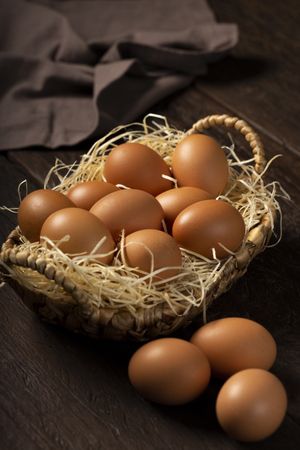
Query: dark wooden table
[61, 391]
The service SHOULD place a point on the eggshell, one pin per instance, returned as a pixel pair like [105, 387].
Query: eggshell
[137, 166]
[169, 371]
[198, 160]
[128, 209]
[36, 207]
[175, 200]
[84, 195]
[149, 250]
[203, 225]
[84, 231]
[251, 405]
[233, 344]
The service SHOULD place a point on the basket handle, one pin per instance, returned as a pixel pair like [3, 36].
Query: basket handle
[10, 254]
[242, 126]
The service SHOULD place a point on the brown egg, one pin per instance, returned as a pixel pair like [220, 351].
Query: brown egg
[251, 405]
[199, 161]
[137, 166]
[36, 207]
[169, 371]
[175, 200]
[150, 250]
[84, 195]
[128, 209]
[233, 344]
[84, 231]
[202, 226]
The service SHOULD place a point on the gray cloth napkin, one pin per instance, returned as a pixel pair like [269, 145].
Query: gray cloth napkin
[75, 69]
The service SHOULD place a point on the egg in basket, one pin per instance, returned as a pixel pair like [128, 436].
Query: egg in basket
[149, 227]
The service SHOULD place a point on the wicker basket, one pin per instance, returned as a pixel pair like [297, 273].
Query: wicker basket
[78, 314]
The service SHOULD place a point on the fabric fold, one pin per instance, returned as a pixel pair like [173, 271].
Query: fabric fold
[72, 70]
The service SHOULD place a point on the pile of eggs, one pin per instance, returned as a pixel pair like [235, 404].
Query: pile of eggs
[252, 402]
[137, 197]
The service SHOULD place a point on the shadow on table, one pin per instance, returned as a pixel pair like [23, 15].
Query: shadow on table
[232, 69]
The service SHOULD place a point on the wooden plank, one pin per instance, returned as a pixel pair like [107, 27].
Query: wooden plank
[11, 176]
[37, 163]
[75, 394]
[64, 392]
[261, 80]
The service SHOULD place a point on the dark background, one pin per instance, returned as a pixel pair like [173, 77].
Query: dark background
[61, 391]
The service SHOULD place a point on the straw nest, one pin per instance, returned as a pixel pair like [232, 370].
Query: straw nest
[112, 301]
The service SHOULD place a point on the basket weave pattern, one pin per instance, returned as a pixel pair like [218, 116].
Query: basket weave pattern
[74, 310]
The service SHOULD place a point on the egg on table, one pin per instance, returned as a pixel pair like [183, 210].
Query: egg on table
[128, 209]
[234, 343]
[251, 405]
[137, 166]
[83, 230]
[85, 194]
[150, 250]
[169, 371]
[205, 225]
[199, 161]
[36, 207]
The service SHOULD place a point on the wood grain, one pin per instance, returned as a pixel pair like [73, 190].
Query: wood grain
[261, 79]
[10, 178]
